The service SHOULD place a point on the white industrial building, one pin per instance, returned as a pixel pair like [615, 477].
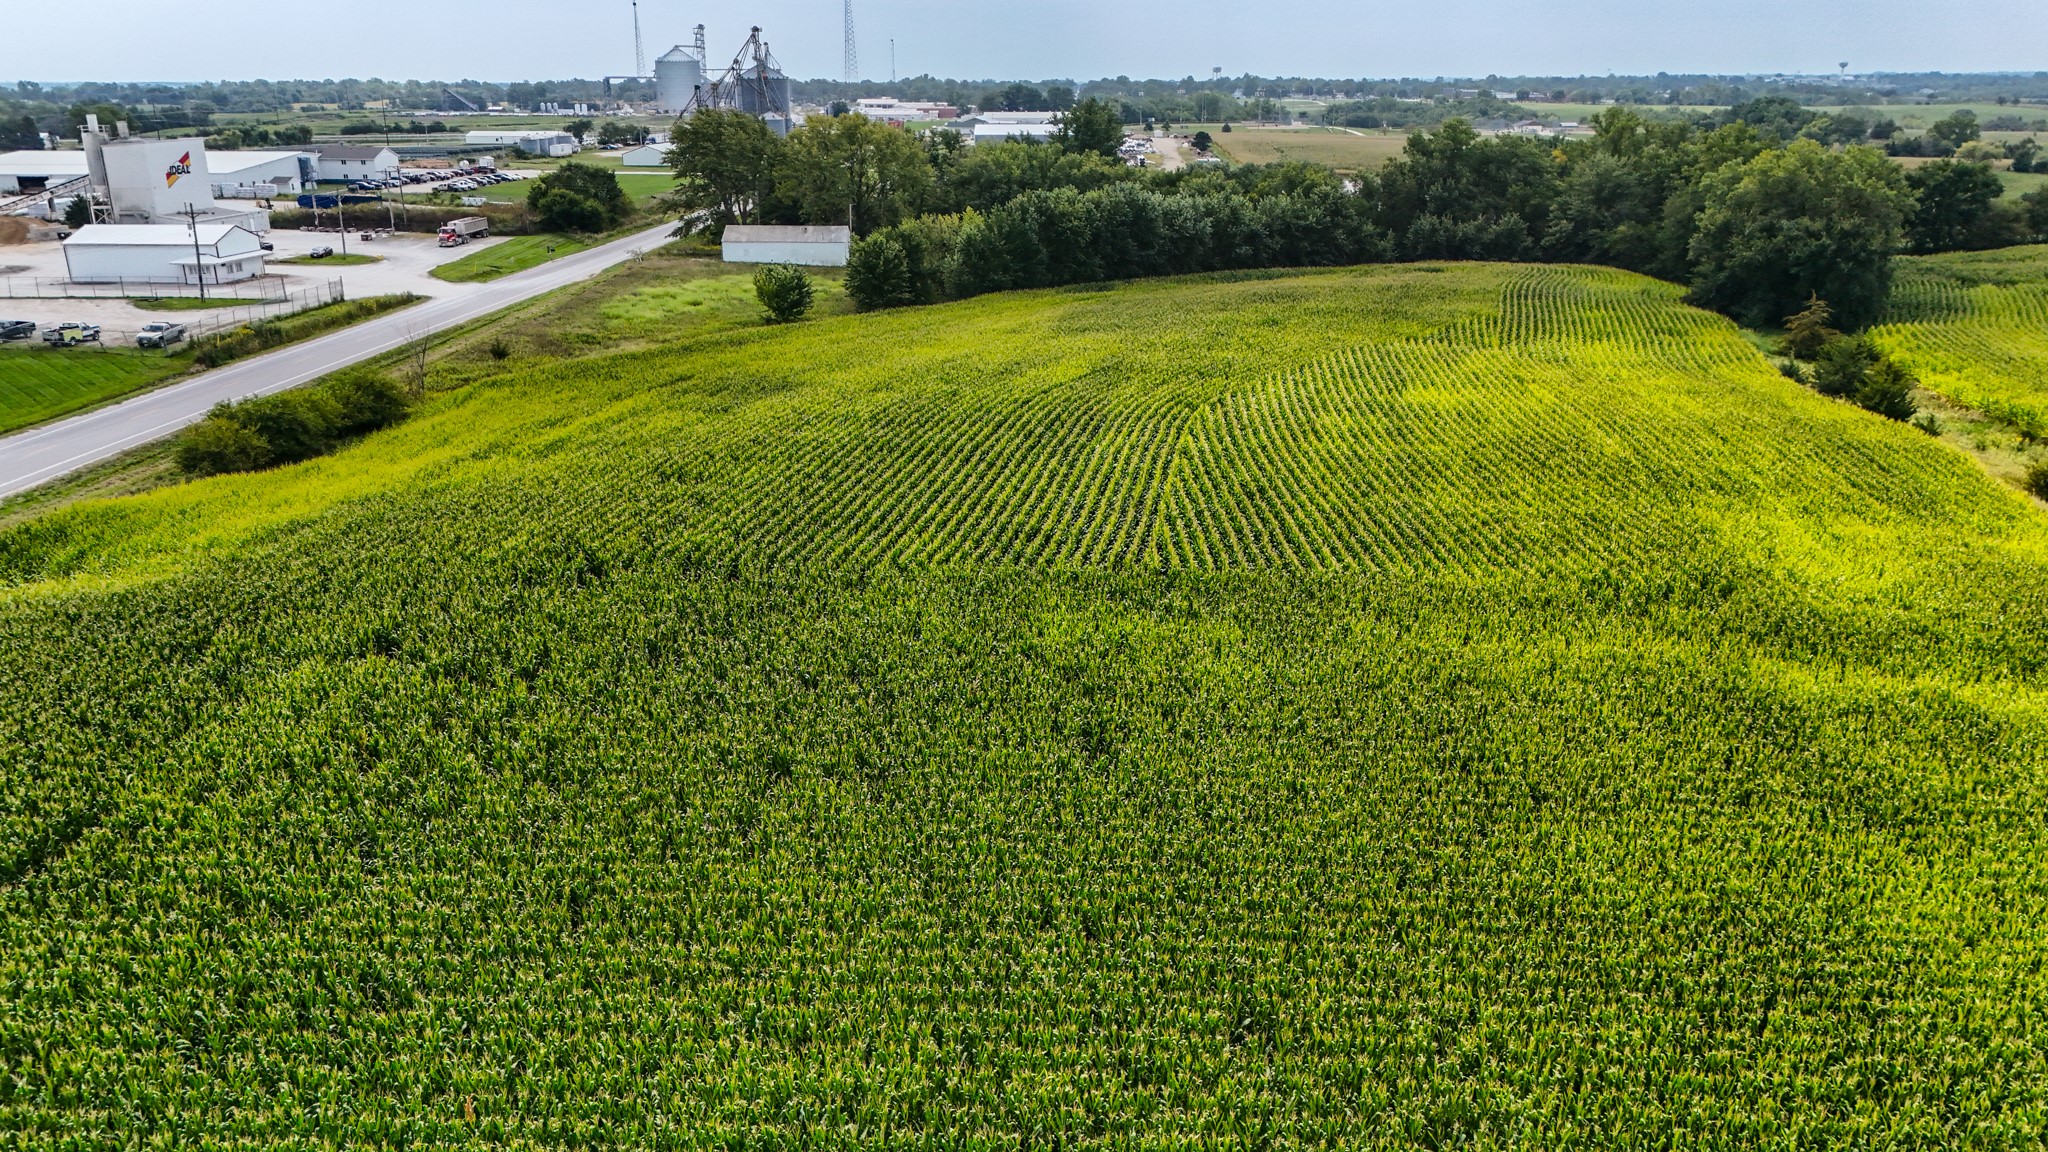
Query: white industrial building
[340, 163]
[25, 172]
[143, 181]
[252, 174]
[998, 133]
[162, 254]
[530, 142]
[823, 246]
[645, 156]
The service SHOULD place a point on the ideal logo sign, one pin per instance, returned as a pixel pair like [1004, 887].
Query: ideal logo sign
[182, 168]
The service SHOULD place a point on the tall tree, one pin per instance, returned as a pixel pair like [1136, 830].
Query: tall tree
[1796, 222]
[853, 170]
[725, 162]
[1953, 202]
[1091, 126]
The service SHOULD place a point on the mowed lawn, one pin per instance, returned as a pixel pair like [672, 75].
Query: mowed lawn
[1333, 146]
[520, 252]
[38, 384]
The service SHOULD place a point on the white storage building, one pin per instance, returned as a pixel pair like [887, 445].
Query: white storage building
[645, 156]
[344, 162]
[240, 175]
[162, 254]
[24, 172]
[530, 142]
[823, 246]
[998, 133]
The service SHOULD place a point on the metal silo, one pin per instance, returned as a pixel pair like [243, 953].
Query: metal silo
[678, 74]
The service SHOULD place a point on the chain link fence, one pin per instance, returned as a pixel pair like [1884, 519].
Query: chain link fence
[200, 324]
[264, 288]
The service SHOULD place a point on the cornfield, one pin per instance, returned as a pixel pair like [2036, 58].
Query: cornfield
[1973, 326]
[1466, 706]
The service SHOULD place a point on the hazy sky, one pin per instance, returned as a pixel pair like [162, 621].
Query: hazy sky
[532, 39]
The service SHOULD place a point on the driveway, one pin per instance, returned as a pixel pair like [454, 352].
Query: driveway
[44, 453]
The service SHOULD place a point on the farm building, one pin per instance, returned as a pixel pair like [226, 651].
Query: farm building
[249, 174]
[162, 254]
[824, 246]
[645, 156]
[344, 162]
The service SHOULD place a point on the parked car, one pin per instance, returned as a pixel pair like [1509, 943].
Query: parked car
[17, 329]
[320, 253]
[159, 334]
[71, 332]
[266, 245]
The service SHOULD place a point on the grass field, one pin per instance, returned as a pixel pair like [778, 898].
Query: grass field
[186, 303]
[1408, 707]
[513, 255]
[1335, 147]
[1974, 327]
[38, 384]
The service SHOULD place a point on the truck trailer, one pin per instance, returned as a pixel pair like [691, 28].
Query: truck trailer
[461, 231]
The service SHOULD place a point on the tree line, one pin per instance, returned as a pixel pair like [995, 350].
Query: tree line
[1754, 216]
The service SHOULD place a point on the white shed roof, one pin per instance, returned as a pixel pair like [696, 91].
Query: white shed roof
[42, 163]
[228, 163]
[131, 235]
[788, 234]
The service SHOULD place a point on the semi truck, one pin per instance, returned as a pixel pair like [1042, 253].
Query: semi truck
[461, 231]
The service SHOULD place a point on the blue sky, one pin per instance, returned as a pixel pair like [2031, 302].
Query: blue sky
[531, 39]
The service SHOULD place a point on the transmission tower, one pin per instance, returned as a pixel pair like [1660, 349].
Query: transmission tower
[852, 56]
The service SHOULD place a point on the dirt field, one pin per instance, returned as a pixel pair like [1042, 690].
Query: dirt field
[1336, 147]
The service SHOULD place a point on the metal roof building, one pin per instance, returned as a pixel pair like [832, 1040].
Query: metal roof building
[822, 246]
[162, 254]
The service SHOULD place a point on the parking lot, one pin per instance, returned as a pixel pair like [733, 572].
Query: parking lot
[405, 261]
[423, 180]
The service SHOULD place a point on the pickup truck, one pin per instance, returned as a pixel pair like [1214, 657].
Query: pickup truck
[159, 334]
[71, 332]
[17, 329]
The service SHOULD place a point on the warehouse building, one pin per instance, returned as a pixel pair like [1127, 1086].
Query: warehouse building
[530, 142]
[252, 174]
[25, 172]
[341, 163]
[162, 254]
[820, 246]
[144, 181]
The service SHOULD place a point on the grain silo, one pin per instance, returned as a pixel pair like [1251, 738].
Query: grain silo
[679, 76]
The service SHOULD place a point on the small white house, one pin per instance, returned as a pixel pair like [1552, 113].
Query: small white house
[162, 254]
[823, 246]
[645, 156]
[343, 162]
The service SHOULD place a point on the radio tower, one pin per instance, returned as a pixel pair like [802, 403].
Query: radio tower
[852, 56]
[639, 53]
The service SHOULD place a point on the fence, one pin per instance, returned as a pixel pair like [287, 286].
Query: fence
[212, 321]
[39, 288]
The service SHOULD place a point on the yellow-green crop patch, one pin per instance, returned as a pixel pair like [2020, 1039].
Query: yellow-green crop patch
[1470, 706]
[1974, 327]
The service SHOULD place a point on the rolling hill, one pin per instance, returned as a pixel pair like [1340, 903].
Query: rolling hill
[1427, 705]
[1974, 327]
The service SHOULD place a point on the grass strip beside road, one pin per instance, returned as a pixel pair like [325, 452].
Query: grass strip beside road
[514, 255]
[39, 384]
[351, 259]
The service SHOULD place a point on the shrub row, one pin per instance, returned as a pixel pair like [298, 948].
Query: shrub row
[1061, 236]
[263, 335]
[290, 426]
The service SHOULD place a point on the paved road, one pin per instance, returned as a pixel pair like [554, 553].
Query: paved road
[44, 453]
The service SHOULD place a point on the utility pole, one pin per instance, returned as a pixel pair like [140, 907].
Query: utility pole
[191, 216]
